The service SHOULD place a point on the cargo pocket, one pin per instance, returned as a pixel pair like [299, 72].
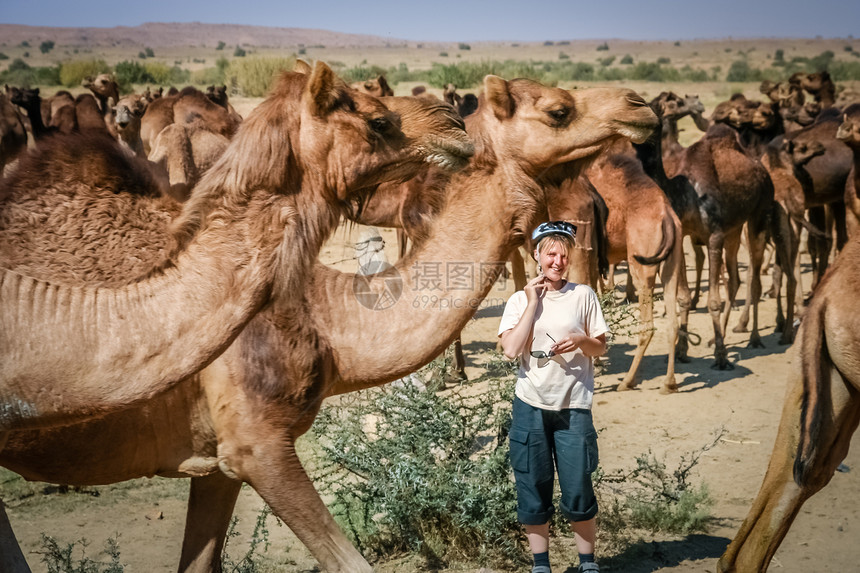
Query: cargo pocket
[591, 452]
[519, 450]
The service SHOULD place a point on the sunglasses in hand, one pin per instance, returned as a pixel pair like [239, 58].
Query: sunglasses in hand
[541, 353]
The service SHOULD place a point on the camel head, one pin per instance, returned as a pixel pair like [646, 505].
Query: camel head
[541, 127]
[217, 94]
[849, 129]
[377, 87]
[800, 152]
[129, 110]
[103, 86]
[345, 141]
[817, 82]
[764, 116]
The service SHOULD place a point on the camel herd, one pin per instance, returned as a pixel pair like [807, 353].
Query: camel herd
[159, 262]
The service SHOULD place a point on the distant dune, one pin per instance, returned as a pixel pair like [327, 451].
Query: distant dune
[188, 34]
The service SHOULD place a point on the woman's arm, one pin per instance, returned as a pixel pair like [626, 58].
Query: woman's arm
[515, 341]
[590, 346]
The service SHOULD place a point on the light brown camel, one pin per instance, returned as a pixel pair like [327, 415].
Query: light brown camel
[185, 151]
[849, 134]
[106, 91]
[257, 218]
[242, 414]
[13, 135]
[643, 230]
[820, 413]
[127, 114]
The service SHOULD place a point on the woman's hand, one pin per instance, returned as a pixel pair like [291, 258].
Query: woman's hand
[589, 346]
[535, 288]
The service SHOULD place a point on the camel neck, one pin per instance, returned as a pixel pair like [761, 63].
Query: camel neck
[405, 317]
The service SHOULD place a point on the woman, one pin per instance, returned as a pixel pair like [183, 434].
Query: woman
[555, 327]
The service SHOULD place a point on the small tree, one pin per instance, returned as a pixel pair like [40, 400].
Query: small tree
[220, 46]
[46, 46]
[239, 52]
[603, 47]
[463, 46]
[149, 53]
[627, 60]
[141, 55]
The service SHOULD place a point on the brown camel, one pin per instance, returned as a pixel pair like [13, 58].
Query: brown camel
[250, 224]
[820, 413]
[242, 414]
[89, 116]
[643, 230]
[185, 152]
[377, 87]
[719, 188]
[13, 134]
[127, 114]
[849, 134]
[31, 102]
[106, 91]
[673, 108]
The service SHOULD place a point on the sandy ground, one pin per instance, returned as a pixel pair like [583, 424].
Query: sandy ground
[743, 405]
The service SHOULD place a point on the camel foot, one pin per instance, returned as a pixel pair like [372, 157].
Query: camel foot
[625, 386]
[694, 302]
[755, 342]
[681, 350]
[786, 338]
[721, 360]
[740, 327]
[780, 324]
[669, 387]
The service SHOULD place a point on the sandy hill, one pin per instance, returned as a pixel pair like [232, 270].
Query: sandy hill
[188, 34]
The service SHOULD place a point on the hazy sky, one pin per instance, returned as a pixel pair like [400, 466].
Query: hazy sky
[470, 20]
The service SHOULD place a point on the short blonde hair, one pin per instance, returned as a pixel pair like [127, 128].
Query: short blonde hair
[555, 239]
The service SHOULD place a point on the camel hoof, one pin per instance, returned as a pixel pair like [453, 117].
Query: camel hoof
[625, 386]
[740, 328]
[755, 343]
[722, 365]
[669, 388]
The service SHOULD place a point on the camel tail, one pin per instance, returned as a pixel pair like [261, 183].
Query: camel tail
[815, 368]
[666, 245]
[601, 214]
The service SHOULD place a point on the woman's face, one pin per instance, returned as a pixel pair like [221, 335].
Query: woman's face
[553, 261]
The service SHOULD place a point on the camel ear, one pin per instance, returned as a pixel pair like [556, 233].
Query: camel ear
[383, 84]
[323, 89]
[499, 97]
[302, 67]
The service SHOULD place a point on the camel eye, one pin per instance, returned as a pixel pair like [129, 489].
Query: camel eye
[559, 115]
[379, 124]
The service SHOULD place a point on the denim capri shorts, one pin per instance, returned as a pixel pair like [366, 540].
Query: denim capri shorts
[543, 441]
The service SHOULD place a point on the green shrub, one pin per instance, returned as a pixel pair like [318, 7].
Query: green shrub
[20, 73]
[254, 77]
[163, 74]
[46, 46]
[73, 72]
[149, 53]
[663, 60]
[239, 52]
[220, 46]
[563, 56]
[606, 62]
[408, 469]
[62, 559]
[129, 72]
[627, 60]
[741, 71]
[845, 71]
[463, 46]
[603, 47]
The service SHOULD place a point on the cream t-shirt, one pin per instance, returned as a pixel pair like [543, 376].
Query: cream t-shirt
[563, 380]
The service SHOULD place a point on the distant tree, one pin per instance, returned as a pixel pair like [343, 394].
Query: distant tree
[239, 52]
[464, 46]
[849, 48]
[663, 60]
[149, 53]
[563, 56]
[303, 51]
[26, 54]
[46, 46]
[606, 62]
[141, 55]
[677, 43]
[603, 47]
[627, 60]
[3, 56]
[25, 44]
[443, 54]
[220, 46]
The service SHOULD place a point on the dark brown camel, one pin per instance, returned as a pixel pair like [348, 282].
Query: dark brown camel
[377, 87]
[643, 230]
[673, 108]
[31, 102]
[718, 190]
[820, 413]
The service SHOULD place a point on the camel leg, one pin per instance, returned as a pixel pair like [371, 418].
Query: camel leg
[610, 278]
[210, 506]
[779, 499]
[699, 252]
[273, 469]
[786, 260]
[459, 360]
[643, 278]
[756, 240]
[670, 275]
[715, 270]
[731, 246]
[11, 558]
[684, 306]
[518, 268]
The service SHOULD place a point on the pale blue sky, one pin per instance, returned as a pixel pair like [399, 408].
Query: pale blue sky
[470, 20]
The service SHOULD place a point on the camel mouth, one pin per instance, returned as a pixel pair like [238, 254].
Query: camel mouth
[843, 134]
[636, 131]
[451, 154]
